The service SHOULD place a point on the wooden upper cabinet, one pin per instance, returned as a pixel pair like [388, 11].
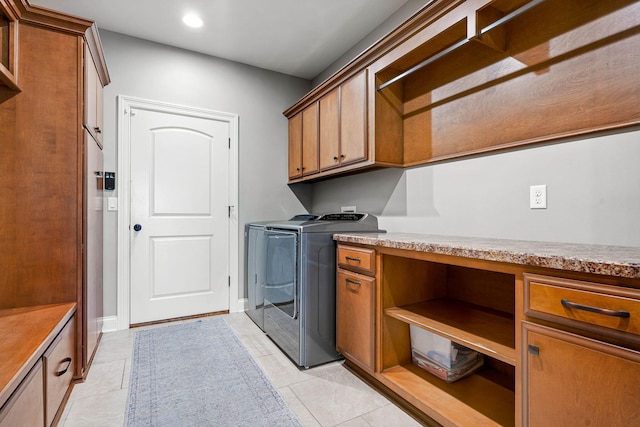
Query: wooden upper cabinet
[310, 139]
[465, 77]
[343, 124]
[93, 98]
[295, 146]
[353, 119]
[303, 143]
[330, 130]
[333, 132]
[8, 48]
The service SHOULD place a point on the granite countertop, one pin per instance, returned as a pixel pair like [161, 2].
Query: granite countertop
[620, 261]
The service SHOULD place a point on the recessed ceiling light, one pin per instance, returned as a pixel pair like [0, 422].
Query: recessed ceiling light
[192, 20]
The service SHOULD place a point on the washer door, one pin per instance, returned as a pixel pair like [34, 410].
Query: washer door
[281, 292]
[281, 282]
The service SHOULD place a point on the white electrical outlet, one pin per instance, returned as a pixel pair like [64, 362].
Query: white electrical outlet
[538, 197]
[348, 209]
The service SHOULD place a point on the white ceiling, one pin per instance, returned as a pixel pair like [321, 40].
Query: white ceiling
[295, 37]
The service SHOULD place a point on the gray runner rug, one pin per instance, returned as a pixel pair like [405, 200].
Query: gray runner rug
[200, 374]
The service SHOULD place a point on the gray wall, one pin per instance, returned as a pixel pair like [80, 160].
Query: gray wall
[593, 193]
[401, 15]
[153, 71]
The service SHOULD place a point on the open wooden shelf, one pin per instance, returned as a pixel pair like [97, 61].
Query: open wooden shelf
[476, 397]
[480, 84]
[480, 329]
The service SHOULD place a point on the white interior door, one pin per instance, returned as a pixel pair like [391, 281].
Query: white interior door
[179, 225]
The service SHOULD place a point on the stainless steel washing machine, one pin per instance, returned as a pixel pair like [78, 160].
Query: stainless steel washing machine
[299, 284]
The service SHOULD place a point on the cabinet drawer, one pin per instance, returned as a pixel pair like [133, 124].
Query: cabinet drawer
[26, 405]
[58, 370]
[357, 258]
[590, 303]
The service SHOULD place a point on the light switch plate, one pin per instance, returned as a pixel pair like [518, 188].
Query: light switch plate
[112, 203]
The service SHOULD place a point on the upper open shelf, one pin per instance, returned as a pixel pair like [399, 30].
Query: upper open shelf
[507, 74]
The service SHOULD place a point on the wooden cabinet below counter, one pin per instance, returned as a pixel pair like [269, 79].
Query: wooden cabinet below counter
[545, 362]
[38, 353]
[355, 305]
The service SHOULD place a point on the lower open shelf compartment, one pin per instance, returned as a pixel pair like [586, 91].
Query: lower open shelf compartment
[480, 329]
[484, 398]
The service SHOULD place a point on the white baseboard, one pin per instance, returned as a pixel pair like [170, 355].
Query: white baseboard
[110, 324]
[243, 303]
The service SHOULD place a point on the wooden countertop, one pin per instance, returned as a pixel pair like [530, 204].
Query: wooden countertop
[619, 261]
[25, 334]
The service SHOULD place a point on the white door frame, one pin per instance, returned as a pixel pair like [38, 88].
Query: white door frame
[123, 185]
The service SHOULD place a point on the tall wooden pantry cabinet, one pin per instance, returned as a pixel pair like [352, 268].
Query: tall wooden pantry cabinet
[52, 71]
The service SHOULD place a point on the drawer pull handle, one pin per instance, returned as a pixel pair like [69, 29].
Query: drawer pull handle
[66, 368]
[615, 313]
[348, 258]
[353, 282]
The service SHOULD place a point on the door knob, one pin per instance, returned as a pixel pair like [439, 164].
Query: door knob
[137, 227]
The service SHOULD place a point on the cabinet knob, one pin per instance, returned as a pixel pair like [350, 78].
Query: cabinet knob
[97, 130]
[335, 158]
[534, 349]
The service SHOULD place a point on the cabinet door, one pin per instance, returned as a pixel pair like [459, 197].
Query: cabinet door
[295, 146]
[92, 98]
[329, 130]
[26, 405]
[93, 217]
[353, 119]
[354, 317]
[310, 139]
[58, 370]
[572, 380]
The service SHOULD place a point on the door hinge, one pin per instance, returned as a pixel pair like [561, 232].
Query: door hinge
[229, 281]
[229, 143]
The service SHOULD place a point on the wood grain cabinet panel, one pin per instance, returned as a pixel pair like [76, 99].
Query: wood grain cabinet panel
[26, 405]
[310, 140]
[303, 143]
[295, 146]
[61, 71]
[334, 131]
[93, 98]
[58, 365]
[355, 317]
[353, 119]
[358, 259]
[582, 303]
[356, 305]
[330, 130]
[575, 381]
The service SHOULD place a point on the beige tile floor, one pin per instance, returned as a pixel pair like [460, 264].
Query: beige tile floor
[327, 395]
